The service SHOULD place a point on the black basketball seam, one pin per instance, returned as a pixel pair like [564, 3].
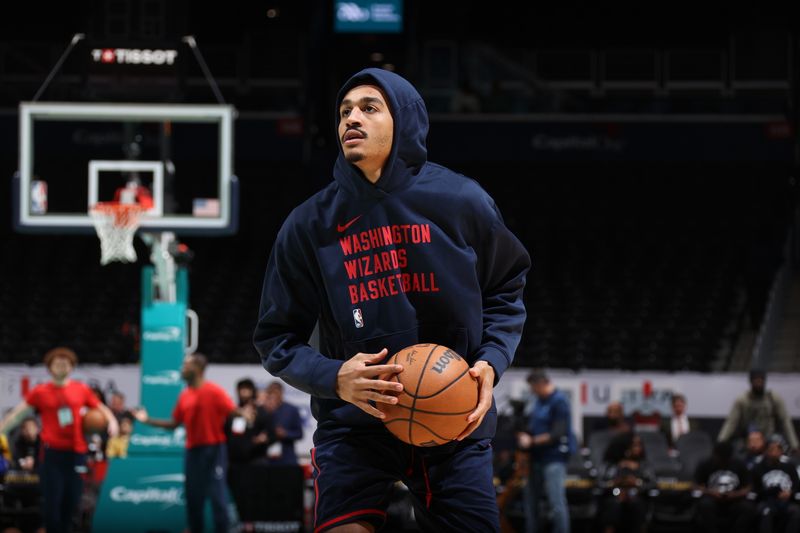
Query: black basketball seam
[426, 412]
[412, 422]
[443, 388]
[419, 382]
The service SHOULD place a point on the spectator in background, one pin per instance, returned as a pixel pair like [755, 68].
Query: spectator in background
[288, 426]
[59, 403]
[761, 409]
[118, 446]
[27, 445]
[117, 405]
[6, 456]
[754, 448]
[775, 482]
[202, 407]
[724, 482]
[249, 431]
[627, 477]
[251, 428]
[614, 420]
[678, 423]
[550, 440]
[26, 452]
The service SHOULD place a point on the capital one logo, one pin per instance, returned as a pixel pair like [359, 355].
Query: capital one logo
[352, 12]
[167, 497]
[175, 439]
[165, 334]
[165, 377]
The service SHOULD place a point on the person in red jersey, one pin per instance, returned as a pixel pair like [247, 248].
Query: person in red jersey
[202, 408]
[60, 404]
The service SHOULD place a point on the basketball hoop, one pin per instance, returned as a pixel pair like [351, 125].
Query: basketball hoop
[116, 224]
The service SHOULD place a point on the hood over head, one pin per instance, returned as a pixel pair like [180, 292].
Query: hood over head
[409, 151]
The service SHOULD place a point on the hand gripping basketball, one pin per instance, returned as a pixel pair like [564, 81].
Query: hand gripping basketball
[357, 381]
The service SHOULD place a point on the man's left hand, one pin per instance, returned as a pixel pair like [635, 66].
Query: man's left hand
[484, 373]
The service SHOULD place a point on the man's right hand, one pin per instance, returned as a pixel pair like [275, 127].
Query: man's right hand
[140, 414]
[358, 382]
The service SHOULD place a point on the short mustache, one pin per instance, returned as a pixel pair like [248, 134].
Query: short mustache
[362, 132]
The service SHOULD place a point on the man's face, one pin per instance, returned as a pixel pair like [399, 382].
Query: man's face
[30, 430]
[274, 398]
[366, 127]
[246, 395]
[117, 402]
[189, 370]
[60, 368]
[757, 384]
[614, 411]
[755, 442]
[539, 388]
[773, 451]
[125, 426]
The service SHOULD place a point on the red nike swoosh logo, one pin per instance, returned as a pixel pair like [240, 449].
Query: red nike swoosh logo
[342, 227]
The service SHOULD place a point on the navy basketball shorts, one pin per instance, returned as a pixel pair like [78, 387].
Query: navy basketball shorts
[354, 475]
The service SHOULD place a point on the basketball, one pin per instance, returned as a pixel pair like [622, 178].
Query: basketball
[438, 394]
[94, 421]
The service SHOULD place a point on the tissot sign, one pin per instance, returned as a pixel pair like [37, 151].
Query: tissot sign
[134, 56]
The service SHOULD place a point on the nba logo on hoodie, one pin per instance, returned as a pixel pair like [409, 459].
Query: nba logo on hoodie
[358, 318]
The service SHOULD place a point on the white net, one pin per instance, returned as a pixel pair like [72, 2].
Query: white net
[116, 224]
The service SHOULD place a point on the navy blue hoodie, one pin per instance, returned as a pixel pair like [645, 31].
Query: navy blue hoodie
[422, 255]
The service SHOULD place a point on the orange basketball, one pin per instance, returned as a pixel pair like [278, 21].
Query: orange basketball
[438, 394]
[94, 421]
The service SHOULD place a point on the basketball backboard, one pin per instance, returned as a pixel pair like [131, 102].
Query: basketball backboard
[75, 154]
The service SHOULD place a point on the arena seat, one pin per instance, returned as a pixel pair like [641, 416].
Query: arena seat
[693, 447]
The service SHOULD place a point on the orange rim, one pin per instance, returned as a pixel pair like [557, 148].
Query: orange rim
[124, 214]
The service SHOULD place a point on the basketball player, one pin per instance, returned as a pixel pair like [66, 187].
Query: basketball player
[395, 251]
[59, 403]
[203, 407]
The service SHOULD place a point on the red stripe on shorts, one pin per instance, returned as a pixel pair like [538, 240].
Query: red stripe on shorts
[316, 487]
[332, 521]
[428, 493]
